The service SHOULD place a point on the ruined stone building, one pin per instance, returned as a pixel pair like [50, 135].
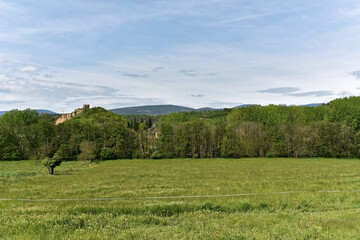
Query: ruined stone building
[68, 116]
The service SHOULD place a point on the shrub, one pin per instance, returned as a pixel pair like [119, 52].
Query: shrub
[107, 154]
[10, 153]
[270, 154]
[157, 155]
[211, 207]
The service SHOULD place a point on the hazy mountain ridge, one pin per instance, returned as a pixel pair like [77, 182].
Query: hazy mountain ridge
[152, 110]
[159, 109]
[40, 111]
[313, 105]
[167, 109]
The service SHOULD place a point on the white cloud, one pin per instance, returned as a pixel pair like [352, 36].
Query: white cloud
[22, 92]
[219, 104]
[28, 68]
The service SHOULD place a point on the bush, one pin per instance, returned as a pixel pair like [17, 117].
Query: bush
[211, 207]
[270, 154]
[10, 153]
[15, 156]
[157, 155]
[107, 154]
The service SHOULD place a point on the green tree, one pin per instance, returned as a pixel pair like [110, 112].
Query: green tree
[143, 140]
[88, 151]
[64, 152]
[51, 163]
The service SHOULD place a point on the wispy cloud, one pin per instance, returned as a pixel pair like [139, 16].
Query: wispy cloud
[312, 93]
[356, 74]
[57, 95]
[156, 69]
[197, 95]
[28, 68]
[5, 102]
[189, 72]
[295, 92]
[17, 69]
[4, 91]
[345, 94]
[222, 104]
[133, 75]
[48, 75]
[51, 89]
[210, 74]
[280, 90]
[236, 20]
[194, 73]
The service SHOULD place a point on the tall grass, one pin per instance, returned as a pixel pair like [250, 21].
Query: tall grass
[305, 215]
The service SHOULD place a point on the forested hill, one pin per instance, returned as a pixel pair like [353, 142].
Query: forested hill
[331, 130]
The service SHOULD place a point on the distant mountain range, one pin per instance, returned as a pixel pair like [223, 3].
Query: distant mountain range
[152, 110]
[244, 105]
[313, 104]
[161, 109]
[40, 111]
[158, 109]
[167, 109]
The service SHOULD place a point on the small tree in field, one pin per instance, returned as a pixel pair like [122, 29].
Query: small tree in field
[51, 163]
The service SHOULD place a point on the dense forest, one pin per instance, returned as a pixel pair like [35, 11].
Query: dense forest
[331, 130]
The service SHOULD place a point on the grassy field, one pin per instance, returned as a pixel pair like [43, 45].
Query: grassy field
[309, 214]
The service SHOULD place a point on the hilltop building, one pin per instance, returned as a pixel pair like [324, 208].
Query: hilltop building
[68, 116]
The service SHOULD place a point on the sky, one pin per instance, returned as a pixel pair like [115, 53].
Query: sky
[59, 55]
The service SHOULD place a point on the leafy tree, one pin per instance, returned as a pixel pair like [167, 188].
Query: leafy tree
[88, 151]
[149, 122]
[64, 152]
[143, 139]
[51, 163]
[166, 140]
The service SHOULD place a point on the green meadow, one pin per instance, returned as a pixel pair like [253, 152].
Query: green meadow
[290, 202]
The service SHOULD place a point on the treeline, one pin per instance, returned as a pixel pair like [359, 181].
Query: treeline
[134, 120]
[331, 130]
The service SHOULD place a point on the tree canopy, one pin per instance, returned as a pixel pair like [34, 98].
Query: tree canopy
[331, 130]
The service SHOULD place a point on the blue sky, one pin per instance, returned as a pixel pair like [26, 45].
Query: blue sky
[58, 55]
